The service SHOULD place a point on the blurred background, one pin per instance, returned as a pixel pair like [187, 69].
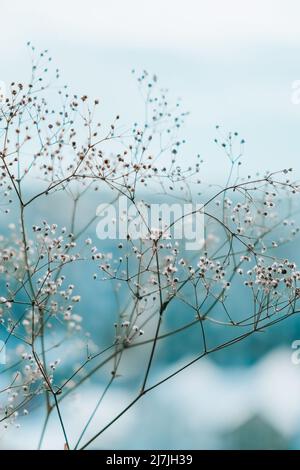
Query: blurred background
[233, 64]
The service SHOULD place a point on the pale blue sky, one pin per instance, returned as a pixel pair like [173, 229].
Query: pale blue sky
[233, 63]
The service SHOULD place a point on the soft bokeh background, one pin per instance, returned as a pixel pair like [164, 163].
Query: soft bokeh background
[234, 64]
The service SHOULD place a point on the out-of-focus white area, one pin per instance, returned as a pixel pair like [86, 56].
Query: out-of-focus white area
[194, 410]
[233, 63]
[170, 23]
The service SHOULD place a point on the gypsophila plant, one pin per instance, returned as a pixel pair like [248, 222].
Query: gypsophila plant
[54, 153]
